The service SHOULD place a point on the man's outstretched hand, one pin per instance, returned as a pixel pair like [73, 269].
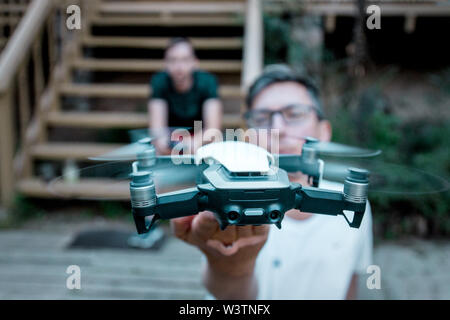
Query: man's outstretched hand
[231, 252]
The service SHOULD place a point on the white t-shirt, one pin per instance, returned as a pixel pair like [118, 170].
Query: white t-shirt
[313, 258]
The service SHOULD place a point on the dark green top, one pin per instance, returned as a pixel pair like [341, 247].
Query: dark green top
[186, 107]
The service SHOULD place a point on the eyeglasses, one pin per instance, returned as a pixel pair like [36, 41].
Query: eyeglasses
[292, 114]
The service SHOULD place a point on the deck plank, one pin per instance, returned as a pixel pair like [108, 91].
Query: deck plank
[33, 265]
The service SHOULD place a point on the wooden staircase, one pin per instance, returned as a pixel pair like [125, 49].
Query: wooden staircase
[101, 85]
[10, 14]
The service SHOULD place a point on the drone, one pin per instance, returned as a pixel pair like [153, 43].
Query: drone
[243, 184]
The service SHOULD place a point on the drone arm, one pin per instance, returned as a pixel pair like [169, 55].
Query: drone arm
[182, 203]
[295, 163]
[167, 206]
[329, 202]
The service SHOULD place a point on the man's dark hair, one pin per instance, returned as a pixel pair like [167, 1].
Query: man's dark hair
[283, 73]
[177, 40]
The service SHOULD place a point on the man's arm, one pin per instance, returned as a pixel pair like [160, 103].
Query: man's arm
[158, 122]
[230, 287]
[352, 292]
[231, 253]
[212, 113]
[212, 117]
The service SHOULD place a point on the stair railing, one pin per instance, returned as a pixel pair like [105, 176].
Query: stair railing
[11, 12]
[28, 73]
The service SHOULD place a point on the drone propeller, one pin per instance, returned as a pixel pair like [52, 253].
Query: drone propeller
[112, 179]
[143, 142]
[337, 149]
[144, 139]
[126, 153]
[389, 178]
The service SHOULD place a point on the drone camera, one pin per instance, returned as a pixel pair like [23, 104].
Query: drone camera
[233, 216]
[275, 215]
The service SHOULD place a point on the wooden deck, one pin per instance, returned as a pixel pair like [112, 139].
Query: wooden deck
[33, 266]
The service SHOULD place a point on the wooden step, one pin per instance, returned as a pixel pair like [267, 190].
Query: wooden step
[85, 188]
[108, 119]
[11, 20]
[106, 90]
[13, 8]
[166, 21]
[71, 150]
[211, 7]
[141, 65]
[99, 120]
[161, 42]
[130, 90]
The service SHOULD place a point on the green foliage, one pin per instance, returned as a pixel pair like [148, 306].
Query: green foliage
[23, 209]
[277, 35]
[422, 145]
[114, 209]
[362, 115]
[441, 80]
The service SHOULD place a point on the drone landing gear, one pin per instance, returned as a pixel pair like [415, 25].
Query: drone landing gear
[142, 225]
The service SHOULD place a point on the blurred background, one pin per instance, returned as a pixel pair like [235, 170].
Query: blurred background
[66, 95]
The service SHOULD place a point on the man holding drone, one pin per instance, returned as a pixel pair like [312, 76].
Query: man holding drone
[313, 256]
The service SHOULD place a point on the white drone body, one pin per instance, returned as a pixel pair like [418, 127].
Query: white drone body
[242, 157]
[236, 156]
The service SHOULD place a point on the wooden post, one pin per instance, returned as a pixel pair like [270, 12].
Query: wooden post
[11, 59]
[253, 43]
[38, 70]
[410, 23]
[253, 46]
[10, 18]
[6, 148]
[2, 30]
[24, 101]
[330, 23]
[51, 43]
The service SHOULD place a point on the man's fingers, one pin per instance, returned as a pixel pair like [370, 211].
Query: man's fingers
[181, 226]
[262, 230]
[229, 250]
[244, 231]
[299, 177]
[227, 236]
[226, 250]
[204, 225]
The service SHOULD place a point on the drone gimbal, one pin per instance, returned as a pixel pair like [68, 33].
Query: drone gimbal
[247, 197]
